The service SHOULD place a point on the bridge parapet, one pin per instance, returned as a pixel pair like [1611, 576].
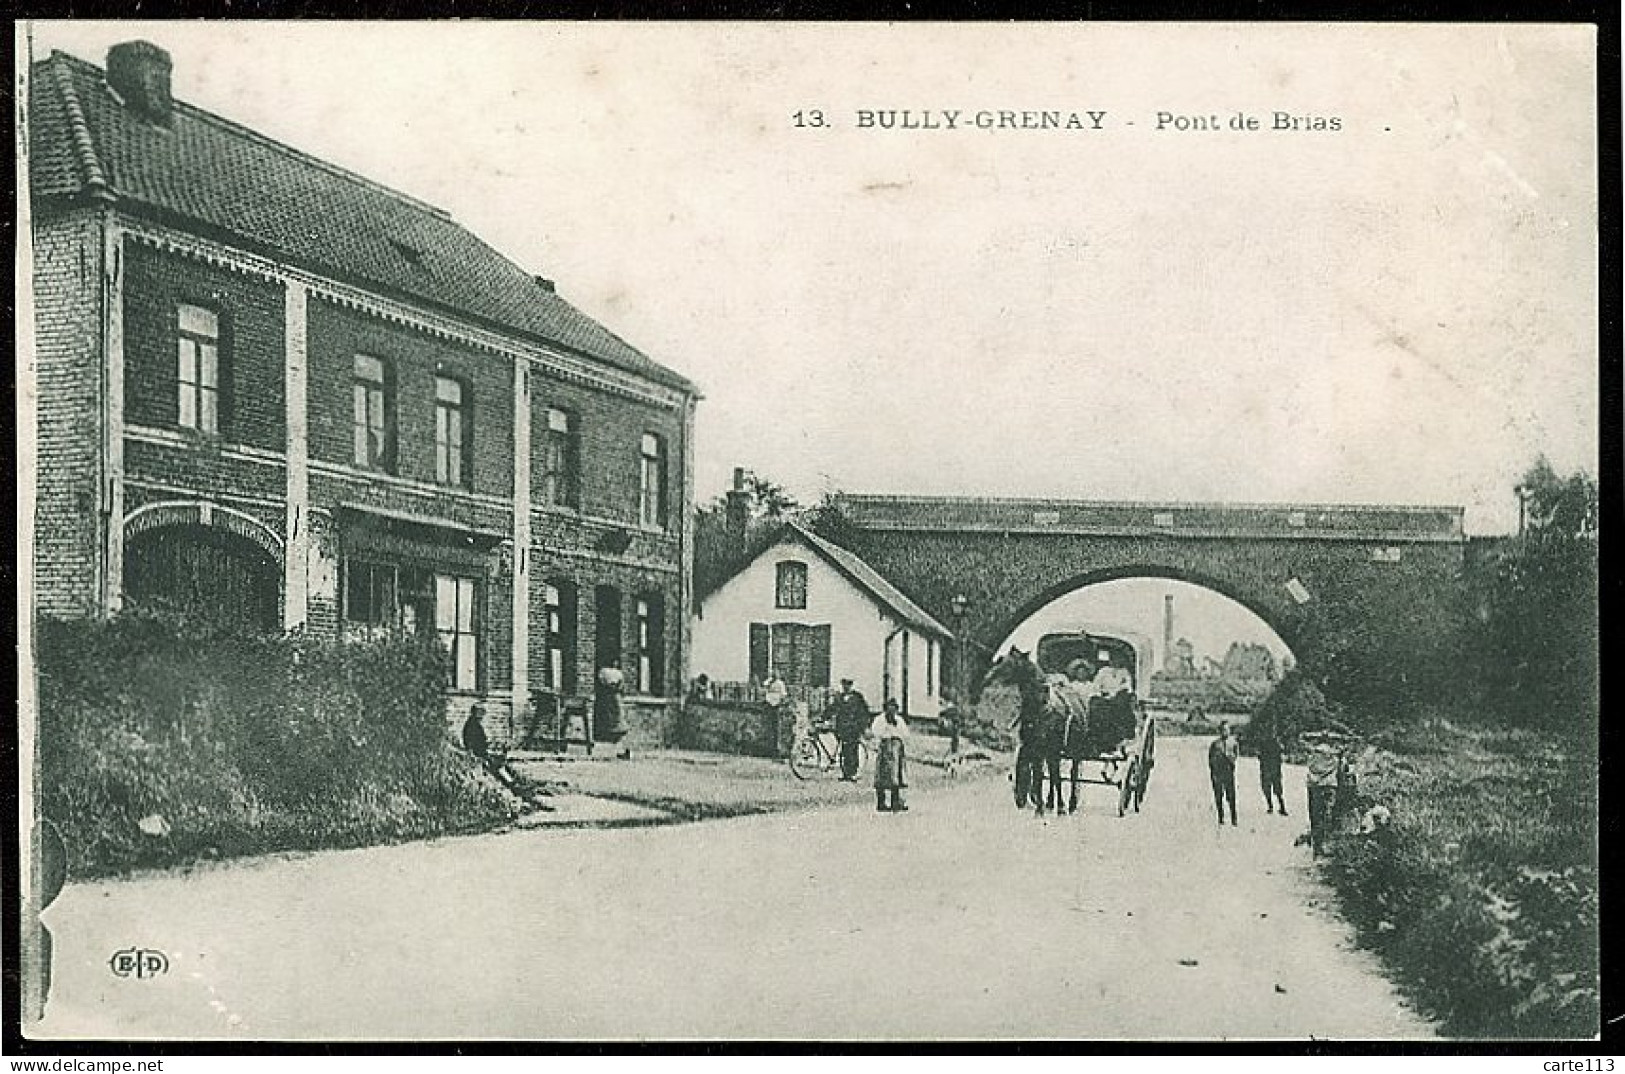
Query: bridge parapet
[1285, 521]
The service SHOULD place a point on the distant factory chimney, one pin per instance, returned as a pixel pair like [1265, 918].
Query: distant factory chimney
[1168, 632]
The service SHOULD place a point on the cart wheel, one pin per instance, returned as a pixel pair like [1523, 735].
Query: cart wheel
[804, 759]
[1148, 761]
[1126, 788]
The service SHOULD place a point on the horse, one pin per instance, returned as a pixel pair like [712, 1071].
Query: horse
[1053, 716]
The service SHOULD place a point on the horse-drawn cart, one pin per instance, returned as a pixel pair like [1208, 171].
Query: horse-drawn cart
[1127, 768]
[1079, 715]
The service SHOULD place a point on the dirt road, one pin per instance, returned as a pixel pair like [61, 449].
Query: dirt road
[961, 918]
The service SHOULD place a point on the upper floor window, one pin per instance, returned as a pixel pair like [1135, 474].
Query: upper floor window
[453, 432]
[374, 415]
[561, 460]
[652, 482]
[790, 585]
[198, 373]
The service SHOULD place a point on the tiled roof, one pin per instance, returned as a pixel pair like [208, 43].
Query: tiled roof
[867, 578]
[208, 171]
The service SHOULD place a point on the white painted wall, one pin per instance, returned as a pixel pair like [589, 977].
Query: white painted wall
[859, 626]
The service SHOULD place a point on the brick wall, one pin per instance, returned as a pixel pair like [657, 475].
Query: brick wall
[337, 335]
[611, 429]
[586, 574]
[1407, 607]
[251, 344]
[567, 544]
[204, 466]
[67, 310]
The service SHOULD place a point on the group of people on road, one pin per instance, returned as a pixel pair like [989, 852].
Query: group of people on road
[850, 718]
[1331, 774]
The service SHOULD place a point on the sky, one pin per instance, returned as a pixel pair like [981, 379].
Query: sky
[1210, 621]
[1402, 310]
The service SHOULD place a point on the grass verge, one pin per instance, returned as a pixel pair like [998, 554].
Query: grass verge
[1481, 893]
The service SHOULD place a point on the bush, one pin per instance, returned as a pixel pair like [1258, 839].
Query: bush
[1294, 706]
[163, 740]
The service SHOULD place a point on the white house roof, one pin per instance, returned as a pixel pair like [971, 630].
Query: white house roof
[867, 578]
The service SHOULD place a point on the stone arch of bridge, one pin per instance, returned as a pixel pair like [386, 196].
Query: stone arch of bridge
[1290, 629]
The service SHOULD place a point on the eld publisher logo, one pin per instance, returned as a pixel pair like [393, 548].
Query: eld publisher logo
[138, 962]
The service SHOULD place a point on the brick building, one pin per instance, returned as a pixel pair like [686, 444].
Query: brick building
[270, 386]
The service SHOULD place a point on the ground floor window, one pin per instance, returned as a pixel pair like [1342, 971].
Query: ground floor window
[797, 652]
[455, 616]
[559, 602]
[651, 645]
[388, 598]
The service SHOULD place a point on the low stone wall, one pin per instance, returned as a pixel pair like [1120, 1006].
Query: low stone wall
[650, 723]
[748, 728]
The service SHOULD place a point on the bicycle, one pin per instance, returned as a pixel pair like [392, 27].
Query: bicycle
[817, 751]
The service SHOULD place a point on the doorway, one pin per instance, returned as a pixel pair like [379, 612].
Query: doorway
[606, 654]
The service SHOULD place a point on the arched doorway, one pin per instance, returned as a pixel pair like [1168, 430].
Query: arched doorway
[203, 571]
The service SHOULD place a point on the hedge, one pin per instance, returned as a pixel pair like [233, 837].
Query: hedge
[165, 740]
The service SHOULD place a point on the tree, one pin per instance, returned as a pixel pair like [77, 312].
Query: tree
[768, 498]
[1535, 641]
[720, 548]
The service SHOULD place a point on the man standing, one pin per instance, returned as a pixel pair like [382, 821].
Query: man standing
[851, 721]
[1326, 767]
[1221, 768]
[1269, 766]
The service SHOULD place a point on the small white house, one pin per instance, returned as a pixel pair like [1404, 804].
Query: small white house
[817, 614]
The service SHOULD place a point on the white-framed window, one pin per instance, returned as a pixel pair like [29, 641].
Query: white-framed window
[559, 604]
[652, 481]
[386, 598]
[453, 432]
[455, 619]
[197, 374]
[790, 584]
[651, 645]
[373, 414]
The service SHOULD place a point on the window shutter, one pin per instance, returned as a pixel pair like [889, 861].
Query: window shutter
[225, 377]
[569, 622]
[820, 655]
[657, 644]
[758, 651]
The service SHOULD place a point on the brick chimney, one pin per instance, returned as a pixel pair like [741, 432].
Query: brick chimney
[138, 71]
[738, 510]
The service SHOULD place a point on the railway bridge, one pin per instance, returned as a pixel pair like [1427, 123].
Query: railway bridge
[1352, 589]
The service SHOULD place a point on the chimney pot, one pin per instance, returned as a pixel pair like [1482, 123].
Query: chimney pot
[545, 284]
[139, 72]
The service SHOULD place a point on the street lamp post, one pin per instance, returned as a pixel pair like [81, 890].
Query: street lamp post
[961, 609]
